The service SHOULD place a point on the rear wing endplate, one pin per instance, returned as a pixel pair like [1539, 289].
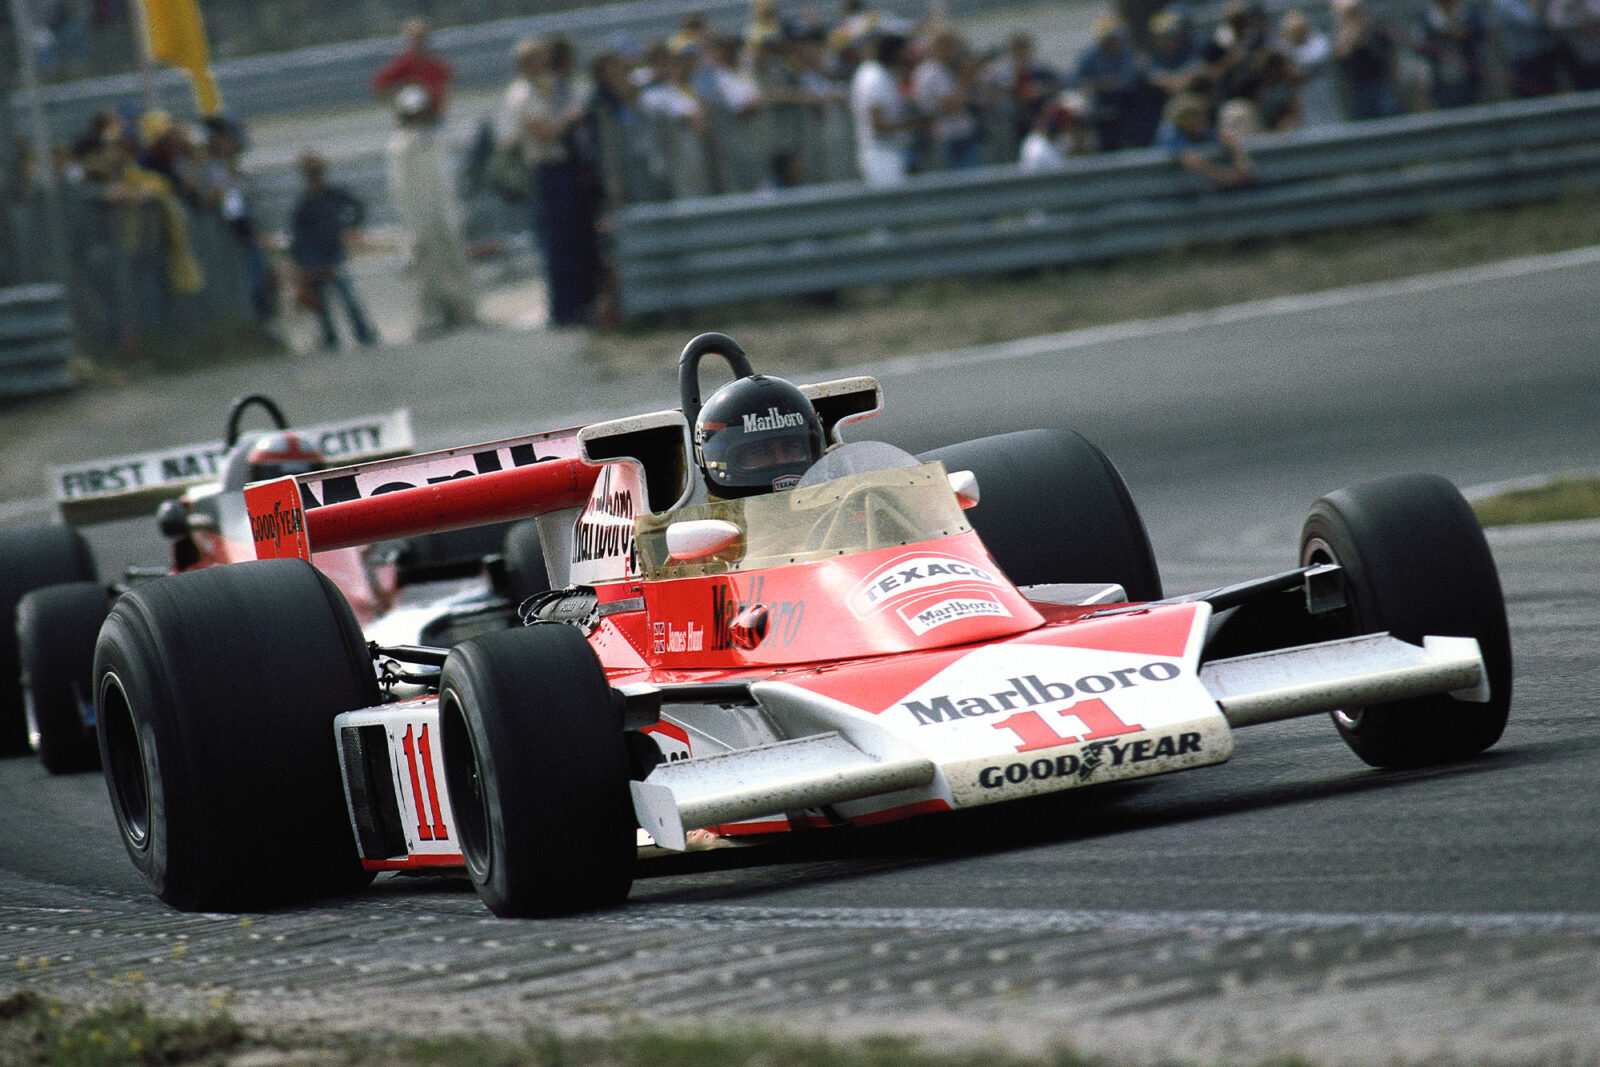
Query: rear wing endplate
[434, 492]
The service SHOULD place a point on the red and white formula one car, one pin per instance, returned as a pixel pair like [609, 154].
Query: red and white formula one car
[49, 585]
[430, 588]
[869, 645]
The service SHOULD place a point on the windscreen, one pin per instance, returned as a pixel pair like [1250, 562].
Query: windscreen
[858, 513]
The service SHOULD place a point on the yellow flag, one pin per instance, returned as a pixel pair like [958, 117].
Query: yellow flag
[178, 38]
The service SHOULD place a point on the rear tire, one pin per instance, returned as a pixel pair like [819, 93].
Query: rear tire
[216, 693]
[538, 772]
[1415, 563]
[523, 553]
[1053, 508]
[56, 632]
[31, 557]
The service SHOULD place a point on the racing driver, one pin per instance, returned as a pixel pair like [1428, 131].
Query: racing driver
[757, 434]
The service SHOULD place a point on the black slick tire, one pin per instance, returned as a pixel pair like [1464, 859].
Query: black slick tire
[1053, 508]
[216, 693]
[56, 631]
[523, 554]
[1415, 563]
[31, 557]
[537, 772]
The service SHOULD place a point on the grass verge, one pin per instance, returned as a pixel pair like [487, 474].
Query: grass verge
[40, 1031]
[37, 1030]
[1560, 500]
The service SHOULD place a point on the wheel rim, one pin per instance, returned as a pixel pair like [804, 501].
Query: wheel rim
[30, 715]
[1317, 552]
[463, 778]
[125, 764]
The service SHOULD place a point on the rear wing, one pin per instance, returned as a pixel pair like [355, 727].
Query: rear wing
[517, 478]
[434, 492]
[134, 486]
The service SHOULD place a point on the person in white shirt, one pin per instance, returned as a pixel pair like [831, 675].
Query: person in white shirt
[1058, 134]
[883, 118]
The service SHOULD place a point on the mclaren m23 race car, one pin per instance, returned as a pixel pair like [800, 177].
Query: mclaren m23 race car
[873, 644]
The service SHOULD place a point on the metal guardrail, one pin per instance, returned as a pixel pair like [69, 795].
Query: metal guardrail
[720, 250]
[35, 340]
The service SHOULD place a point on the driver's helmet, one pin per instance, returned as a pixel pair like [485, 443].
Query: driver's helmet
[756, 435]
[280, 454]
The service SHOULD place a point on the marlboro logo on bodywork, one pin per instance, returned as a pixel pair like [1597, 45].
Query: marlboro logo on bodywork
[953, 610]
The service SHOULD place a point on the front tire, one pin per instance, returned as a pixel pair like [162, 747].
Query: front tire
[1415, 563]
[216, 693]
[538, 772]
[56, 632]
[1053, 508]
[31, 557]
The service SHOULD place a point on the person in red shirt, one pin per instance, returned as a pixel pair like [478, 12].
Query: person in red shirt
[417, 64]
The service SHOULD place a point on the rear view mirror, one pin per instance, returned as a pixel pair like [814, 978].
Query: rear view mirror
[964, 484]
[694, 539]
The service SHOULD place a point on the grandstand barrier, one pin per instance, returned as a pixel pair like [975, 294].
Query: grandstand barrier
[119, 303]
[35, 340]
[719, 250]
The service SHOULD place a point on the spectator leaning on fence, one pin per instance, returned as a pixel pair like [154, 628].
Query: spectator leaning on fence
[1528, 43]
[1577, 28]
[1311, 54]
[1024, 81]
[1108, 74]
[680, 118]
[1364, 51]
[225, 190]
[1057, 135]
[777, 82]
[133, 188]
[942, 88]
[633, 165]
[1190, 136]
[545, 106]
[1451, 37]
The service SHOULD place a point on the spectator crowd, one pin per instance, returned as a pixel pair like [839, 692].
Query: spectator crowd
[792, 98]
